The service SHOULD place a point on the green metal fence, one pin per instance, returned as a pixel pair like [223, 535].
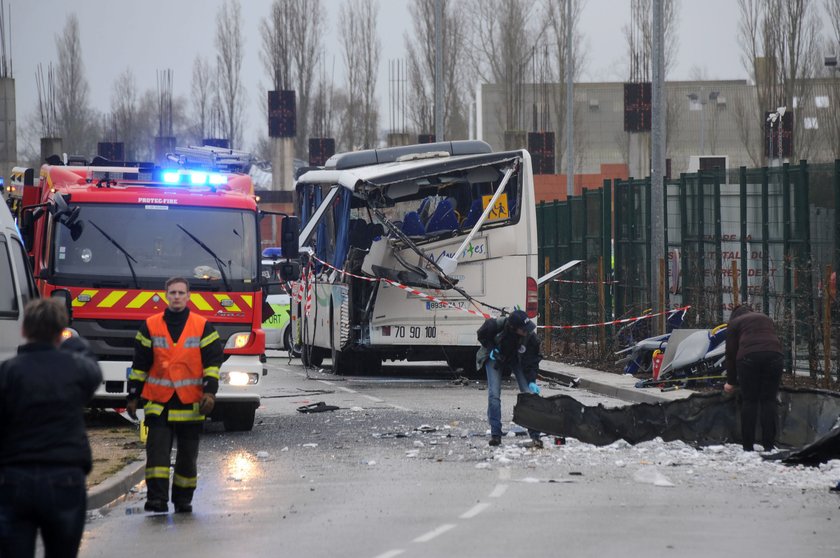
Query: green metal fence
[766, 236]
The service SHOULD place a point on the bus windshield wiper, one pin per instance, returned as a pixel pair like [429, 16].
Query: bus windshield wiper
[212, 253]
[128, 257]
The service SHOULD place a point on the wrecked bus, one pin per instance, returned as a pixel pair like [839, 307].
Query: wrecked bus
[410, 249]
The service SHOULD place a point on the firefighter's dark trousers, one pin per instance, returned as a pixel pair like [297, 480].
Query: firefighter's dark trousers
[158, 451]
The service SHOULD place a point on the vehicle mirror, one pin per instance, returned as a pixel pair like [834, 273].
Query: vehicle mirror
[76, 230]
[289, 270]
[289, 233]
[67, 298]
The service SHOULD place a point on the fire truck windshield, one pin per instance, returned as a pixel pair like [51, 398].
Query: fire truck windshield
[155, 239]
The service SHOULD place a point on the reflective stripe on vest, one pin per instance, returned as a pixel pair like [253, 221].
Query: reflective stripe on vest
[176, 367]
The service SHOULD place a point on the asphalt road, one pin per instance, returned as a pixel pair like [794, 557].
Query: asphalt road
[403, 469]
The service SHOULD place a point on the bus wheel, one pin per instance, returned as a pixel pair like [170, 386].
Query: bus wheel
[312, 357]
[371, 364]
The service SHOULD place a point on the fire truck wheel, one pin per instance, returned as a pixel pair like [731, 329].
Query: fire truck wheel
[239, 419]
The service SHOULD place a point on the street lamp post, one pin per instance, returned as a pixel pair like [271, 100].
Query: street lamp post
[701, 98]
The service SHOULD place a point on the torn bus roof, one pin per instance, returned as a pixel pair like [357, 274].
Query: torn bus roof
[383, 174]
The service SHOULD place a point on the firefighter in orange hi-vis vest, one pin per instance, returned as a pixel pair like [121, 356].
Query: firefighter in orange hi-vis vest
[177, 355]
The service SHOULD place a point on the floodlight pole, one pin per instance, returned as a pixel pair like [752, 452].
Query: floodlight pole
[657, 167]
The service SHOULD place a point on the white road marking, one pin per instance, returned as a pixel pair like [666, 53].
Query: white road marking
[342, 388]
[391, 553]
[399, 408]
[499, 491]
[434, 533]
[374, 399]
[475, 510]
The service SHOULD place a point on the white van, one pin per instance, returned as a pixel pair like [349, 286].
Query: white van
[16, 284]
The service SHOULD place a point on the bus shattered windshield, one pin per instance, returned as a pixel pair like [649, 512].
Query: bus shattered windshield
[140, 245]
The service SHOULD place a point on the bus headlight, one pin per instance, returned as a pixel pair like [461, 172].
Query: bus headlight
[238, 340]
[239, 378]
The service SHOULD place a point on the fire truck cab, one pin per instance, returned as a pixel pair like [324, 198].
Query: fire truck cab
[106, 236]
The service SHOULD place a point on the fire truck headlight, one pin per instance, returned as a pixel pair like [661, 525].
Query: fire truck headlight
[238, 340]
[67, 333]
[239, 378]
[86, 255]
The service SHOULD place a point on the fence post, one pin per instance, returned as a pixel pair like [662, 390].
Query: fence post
[743, 203]
[547, 307]
[765, 240]
[827, 327]
[735, 300]
[718, 250]
[603, 329]
[606, 235]
[701, 249]
[685, 260]
[806, 293]
[788, 269]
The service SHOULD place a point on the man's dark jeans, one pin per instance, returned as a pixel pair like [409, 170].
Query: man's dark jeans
[759, 375]
[50, 498]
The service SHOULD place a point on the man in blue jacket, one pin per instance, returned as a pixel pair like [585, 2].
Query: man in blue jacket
[44, 450]
[508, 343]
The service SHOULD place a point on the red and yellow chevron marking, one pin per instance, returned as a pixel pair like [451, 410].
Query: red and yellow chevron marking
[131, 303]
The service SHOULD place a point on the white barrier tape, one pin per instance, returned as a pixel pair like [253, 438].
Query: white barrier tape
[615, 322]
[586, 282]
[409, 289]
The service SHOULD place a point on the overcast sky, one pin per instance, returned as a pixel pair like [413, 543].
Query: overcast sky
[150, 35]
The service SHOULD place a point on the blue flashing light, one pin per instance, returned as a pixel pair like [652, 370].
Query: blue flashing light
[198, 178]
[274, 252]
[171, 177]
[217, 179]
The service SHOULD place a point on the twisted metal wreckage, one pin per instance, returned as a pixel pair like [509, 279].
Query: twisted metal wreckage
[809, 422]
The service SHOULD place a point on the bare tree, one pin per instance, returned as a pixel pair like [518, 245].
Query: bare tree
[307, 31]
[503, 35]
[124, 111]
[361, 48]
[779, 45]
[291, 45]
[75, 120]
[276, 54]
[558, 28]
[201, 96]
[229, 46]
[832, 119]
[323, 107]
[639, 36]
[420, 49]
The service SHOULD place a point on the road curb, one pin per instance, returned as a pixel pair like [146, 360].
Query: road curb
[118, 485]
[619, 386]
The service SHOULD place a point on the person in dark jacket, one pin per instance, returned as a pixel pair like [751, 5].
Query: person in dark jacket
[754, 361]
[508, 343]
[177, 356]
[44, 450]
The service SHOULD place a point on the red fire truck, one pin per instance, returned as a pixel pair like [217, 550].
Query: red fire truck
[105, 237]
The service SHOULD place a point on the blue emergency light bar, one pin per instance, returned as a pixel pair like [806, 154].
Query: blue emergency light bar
[193, 178]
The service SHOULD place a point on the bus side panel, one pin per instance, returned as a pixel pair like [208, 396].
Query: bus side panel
[317, 327]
